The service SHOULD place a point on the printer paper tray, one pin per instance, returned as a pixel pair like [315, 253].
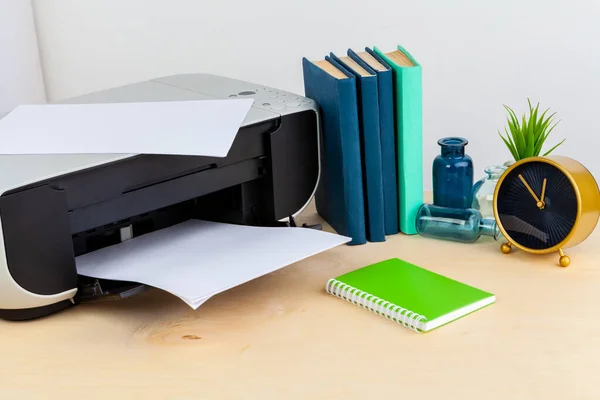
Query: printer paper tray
[197, 259]
[92, 289]
[96, 289]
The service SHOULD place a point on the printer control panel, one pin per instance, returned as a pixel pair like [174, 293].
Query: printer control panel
[267, 100]
[275, 100]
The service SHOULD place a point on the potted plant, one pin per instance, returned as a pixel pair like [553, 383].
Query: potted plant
[524, 138]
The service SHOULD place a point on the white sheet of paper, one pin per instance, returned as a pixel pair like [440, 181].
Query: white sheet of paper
[201, 128]
[197, 259]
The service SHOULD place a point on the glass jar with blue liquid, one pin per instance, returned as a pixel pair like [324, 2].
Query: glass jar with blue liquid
[452, 174]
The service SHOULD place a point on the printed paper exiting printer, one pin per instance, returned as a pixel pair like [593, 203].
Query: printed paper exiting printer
[196, 260]
[54, 208]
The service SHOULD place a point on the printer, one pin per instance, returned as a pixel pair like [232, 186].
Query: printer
[54, 208]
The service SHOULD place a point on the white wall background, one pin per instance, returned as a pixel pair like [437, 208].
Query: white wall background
[20, 68]
[476, 55]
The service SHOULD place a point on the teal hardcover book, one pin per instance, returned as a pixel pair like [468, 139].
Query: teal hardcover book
[385, 88]
[339, 198]
[368, 116]
[409, 125]
[412, 296]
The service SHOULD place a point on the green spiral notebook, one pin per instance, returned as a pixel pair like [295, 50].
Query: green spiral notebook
[417, 298]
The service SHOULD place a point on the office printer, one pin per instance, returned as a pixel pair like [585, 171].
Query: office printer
[54, 208]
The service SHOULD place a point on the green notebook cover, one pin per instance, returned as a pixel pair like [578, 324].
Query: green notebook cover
[410, 295]
[406, 72]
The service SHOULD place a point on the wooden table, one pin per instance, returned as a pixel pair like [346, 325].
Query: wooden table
[282, 337]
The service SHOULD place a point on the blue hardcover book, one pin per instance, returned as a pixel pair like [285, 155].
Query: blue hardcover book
[370, 61]
[368, 117]
[339, 198]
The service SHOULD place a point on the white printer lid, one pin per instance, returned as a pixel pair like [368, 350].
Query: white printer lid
[20, 170]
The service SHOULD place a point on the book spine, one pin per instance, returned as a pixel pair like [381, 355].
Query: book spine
[368, 116]
[409, 121]
[388, 152]
[396, 313]
[352, 161]
[410, 147]
[387, 119]
[339, 197]
[372, 172]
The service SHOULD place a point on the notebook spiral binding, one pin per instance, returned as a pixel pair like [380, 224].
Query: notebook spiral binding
[372, 303]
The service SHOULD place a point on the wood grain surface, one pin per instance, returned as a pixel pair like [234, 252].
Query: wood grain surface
[282, 337]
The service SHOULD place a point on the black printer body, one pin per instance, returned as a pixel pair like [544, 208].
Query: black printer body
[54, 208]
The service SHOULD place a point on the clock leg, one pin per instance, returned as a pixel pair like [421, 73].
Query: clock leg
[564, 260]
[506, 247]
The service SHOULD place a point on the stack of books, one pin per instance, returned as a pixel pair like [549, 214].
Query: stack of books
[370, 107]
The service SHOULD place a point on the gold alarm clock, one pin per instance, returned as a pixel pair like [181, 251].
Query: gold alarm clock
[546, 204]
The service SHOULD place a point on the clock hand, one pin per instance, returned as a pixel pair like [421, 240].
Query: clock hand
[543, 196]
[538, 202]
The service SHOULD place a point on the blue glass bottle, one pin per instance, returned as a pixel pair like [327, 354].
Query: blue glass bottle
[457, 224]
[452, 174]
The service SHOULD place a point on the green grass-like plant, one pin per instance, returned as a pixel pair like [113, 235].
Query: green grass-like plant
[526, 138]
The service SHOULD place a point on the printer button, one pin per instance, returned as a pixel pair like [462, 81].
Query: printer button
[278, 107]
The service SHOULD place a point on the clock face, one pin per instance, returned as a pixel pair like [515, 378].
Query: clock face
[535, 214]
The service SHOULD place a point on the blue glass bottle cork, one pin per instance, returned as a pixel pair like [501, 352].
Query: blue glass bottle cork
[452, 174]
